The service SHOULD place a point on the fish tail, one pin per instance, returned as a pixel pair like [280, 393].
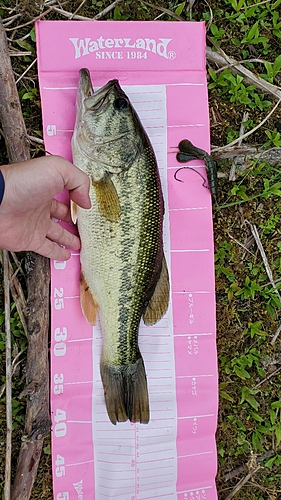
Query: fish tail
[125, 391]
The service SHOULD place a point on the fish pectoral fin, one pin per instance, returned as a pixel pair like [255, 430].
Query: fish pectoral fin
[107, 198]
[158, 304]
[125, 392]
[88, 304]
[73, 211]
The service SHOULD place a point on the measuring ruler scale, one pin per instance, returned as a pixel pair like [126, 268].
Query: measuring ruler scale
[174, 456]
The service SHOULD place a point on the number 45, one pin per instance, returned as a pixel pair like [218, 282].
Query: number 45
[64, 495]
[60, 471]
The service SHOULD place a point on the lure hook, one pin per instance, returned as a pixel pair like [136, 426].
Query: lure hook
[194, 170]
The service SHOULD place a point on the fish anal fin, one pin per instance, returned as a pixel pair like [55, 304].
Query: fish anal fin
[125, 392]
[107, 198]
[88, 304]
[73, 211]
[158, 304]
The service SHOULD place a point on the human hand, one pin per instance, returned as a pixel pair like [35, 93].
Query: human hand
[28, 206]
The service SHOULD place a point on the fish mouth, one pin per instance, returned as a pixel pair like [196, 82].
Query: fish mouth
[96, 101]
[85, 87]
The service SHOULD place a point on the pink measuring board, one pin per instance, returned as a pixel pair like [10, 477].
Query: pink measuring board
[161, 66]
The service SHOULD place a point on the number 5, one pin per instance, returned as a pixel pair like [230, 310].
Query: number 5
[51, 130]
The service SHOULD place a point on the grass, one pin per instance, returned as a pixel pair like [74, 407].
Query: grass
[248, 311]
[248, 306]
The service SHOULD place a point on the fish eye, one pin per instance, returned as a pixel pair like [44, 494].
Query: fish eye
[120, 103]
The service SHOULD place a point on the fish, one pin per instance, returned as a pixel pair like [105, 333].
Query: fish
[124, 276]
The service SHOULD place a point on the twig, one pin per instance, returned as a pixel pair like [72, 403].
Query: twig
[78, 8]
[31, 138]
[264, 258]
[18, 298]
[233, 151]
[214, 115]
[230, 65]
[9, 20]
[17, 262]
[190, 4]
[255, 4]
[32, 20]
[51, 2]
[241, 133]
[267, 268]
[7, 487]
[166, 11]
[210, 22]
[14, 367]
[107, 9]
[18, 53]
[24, 37]
[69, 15]
[27, 69]
[267, 378]
[270, 493]
[241, 468]
[241, 244]
[274, 338]
[246, 155]
[10, 9]
[242, 127]
[221, 59]
[189, 8]
[250, 131]
[242, 482]
[268, 283]
[272, 156]
[101, 14]
[15, 362]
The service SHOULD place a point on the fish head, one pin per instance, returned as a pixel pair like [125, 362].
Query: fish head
[107, 127]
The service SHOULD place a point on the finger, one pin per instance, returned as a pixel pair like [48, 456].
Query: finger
[61, 236]
[60, 211]
[75, 181]
[80, 195]
[53, 251]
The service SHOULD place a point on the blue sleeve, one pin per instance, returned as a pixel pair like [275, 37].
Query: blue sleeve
[2, 187]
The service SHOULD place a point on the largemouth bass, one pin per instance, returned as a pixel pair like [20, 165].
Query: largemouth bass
[124, 275]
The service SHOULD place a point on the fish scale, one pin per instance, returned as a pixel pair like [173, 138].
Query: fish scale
[145, 262]
[124, 275]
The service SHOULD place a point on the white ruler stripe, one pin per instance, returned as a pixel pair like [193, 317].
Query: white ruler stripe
[121, 466]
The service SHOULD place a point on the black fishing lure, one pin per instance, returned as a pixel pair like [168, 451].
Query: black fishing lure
[188, 152]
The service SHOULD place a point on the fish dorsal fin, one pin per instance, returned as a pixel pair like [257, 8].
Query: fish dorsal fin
[88, 304]
[158, 304]
[107, 198]
[73, 211]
